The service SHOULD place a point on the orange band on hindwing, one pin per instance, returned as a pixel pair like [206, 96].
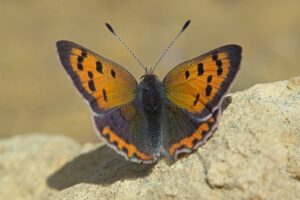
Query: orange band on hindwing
[122, 145]
[194, 138]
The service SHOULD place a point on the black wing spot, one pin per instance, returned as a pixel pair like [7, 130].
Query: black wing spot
[200, 69]
[134, 155]
[195, 141]
[92, 86]
[215, 56]
[113, 73]
[91, 75]
[209, 78]
[99, 67]
[107, 136]
[83, 53]
[125, 150]
[220, 71]
[211, 123]
[80, 59]
[115, 143]
[79, 66]
[219, 64]
[104, 95]
[196, 100]
[204, 133]
[208, 90]
[187, 74]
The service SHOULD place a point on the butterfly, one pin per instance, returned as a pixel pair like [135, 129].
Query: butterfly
[152, 119]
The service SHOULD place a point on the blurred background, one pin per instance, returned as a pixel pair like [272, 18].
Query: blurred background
[37, 96]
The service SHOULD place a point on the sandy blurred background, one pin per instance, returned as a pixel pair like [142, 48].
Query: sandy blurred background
[37, 96]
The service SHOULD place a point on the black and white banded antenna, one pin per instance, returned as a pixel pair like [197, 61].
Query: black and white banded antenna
[184, 27]
[110, 28]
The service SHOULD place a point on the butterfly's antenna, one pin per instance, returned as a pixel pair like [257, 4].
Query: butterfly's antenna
[184, 27]
[110, 28]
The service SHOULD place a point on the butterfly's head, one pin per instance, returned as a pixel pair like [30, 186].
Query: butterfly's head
[149, 77]
[148, 70]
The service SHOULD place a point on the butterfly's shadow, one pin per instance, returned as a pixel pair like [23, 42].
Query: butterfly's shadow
[101, 166]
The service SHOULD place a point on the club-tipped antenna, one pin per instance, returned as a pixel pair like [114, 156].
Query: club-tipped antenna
[184, 27]
[110, 28]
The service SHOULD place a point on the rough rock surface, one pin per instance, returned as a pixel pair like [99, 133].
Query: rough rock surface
[254, 155]
[27, 161]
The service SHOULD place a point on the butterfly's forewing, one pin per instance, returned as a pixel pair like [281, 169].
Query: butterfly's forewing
[103, 83]
[110, 90]
[194, 90]
[199, 84]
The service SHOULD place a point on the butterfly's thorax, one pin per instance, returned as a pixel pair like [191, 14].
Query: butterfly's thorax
[151, 95]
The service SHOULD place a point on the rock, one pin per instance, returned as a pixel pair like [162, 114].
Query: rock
[26, 161]
[294, 83]
[254, 154]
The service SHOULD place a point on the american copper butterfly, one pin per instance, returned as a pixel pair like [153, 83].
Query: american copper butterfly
[150, 119]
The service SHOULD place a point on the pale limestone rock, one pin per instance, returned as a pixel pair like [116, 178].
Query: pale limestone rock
[254, 155]
[294, 83]
[27, 161]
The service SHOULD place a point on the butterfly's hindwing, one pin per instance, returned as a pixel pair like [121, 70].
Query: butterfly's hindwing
[124, 129]
[103, 83]
[183, 132]
[198, 85]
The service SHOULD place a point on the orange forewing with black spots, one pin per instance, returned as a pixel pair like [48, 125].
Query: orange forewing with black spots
[199, 84]
[102, 82]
